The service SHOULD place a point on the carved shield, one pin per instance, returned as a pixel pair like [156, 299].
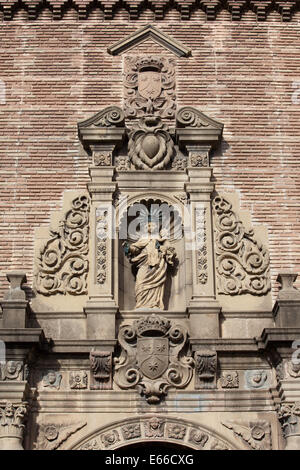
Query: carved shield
[153, 356]
[149, 84]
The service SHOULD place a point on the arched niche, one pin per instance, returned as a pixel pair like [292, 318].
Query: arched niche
[162, 208]
[153, 430]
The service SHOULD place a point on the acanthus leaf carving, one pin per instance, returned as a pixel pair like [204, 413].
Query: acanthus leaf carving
[150, 145]
[242, 261]
[63, 262]
[256, 434]
[150, 358]
[149, 86]
[205, 369]
[101, 370]
[289, 418]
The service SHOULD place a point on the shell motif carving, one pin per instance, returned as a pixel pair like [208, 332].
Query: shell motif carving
[63, 262]
[242, 261]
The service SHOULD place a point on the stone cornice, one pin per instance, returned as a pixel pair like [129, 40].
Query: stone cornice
[210, 8]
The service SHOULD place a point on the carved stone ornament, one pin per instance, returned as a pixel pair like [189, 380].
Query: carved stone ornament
[110, 438]
[218, 445]
[12, 370]
[12, 419]
[242, 261]
[122, 163]
[131, 431]
[102, 236]
[293, 369]
[52, 380]
[198, 438]
[150, 145]
[78, 379]
[101, 370]
[63, 261]
[176, 431]
[51, 435]
[229, 380]
[149, 86]
[256, 378]
[199, 159]
[179, 163]
[102, 158]
[205, 369]
[154, 427]
[108, 117]
[256, 434]
[289, 418]
[202, 273]
[144, 428]
[192, 117]
[150, 359]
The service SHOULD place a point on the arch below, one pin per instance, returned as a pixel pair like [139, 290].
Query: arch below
[153, 429]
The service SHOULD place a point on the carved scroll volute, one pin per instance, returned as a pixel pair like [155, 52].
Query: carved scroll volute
[63, 261]
[242, 261]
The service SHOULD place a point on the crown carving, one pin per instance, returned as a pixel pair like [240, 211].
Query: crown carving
[152, 324]
[151, 62]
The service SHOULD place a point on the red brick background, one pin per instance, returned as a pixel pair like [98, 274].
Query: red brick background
[57, 73]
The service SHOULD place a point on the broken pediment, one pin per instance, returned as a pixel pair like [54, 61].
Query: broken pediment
[156, 35]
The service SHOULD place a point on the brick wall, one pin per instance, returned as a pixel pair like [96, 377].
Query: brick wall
[57, 73]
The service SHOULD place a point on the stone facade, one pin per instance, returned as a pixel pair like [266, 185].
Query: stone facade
[149, 288]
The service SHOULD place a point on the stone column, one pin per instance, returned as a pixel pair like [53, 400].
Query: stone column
[101, 135]
[203, 308]
[12, 417]
[289, 417]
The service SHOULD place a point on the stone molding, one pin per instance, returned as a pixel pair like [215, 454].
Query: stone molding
[155, 428]
[156, 35]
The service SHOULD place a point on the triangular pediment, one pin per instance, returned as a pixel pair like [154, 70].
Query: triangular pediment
[156, 35]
